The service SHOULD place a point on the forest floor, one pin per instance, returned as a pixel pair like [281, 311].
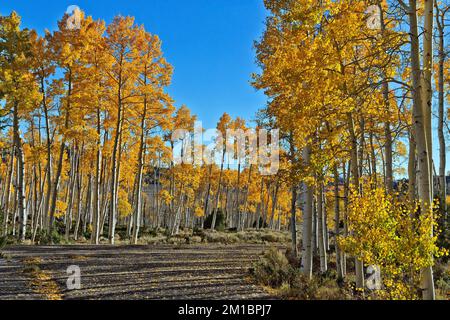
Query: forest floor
[161, 271]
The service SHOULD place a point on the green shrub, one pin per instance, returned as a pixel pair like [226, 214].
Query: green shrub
[272, 269]
[2, 242]
[121, 231]
[87, 234]
[261, 224]
[220, 221]
[43, 237]
[152, 232]
[275, 270]
[199, 232]
[299, 287]
[2, 245]
[194, 239]
[249, 236]
[158, 239]
[167, 233]
[1, 222]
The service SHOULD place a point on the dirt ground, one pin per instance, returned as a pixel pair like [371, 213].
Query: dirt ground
[133, 272]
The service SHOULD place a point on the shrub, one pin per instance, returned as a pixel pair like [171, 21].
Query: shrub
[282, 273]
[249, 236]
[2, 242]
[43, 237]
[153, 240]
[194, 239]
[167, 233]
[2, 245]
[152, 232]
[271, 237]
[1, 222]
[388, 231]
[121, 231]
[175, 240]
[199, 232]
[442, 276]
[221, 237]
[299, 287]
[87, 234]
[272, 269]
[261, 223]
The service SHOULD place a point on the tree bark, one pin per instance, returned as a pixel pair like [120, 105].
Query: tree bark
[321, 229]
[337, 222]
[7, 196]
[440, 22]
[21, 207]
[359, 265]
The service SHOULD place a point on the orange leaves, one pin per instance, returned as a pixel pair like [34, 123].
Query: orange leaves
[224, 123]
[124, 206]
[165, 196]
[321, 62]
[199, 212]
[61, 207]
[17, 85]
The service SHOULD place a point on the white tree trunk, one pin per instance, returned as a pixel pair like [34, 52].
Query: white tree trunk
[306, 262]
[321, 229]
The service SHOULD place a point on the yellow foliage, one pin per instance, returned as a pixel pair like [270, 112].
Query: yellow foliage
[165, 196]
[61, 207]
[199, 212]
[390, 233]
[124, 206]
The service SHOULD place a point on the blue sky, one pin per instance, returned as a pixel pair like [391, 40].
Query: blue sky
[209, 43]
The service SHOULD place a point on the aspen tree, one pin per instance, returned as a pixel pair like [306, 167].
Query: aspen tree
[66, 48]
[441, 86]
[121, 43]
[222, 126]
[155, 74]
[420, 105]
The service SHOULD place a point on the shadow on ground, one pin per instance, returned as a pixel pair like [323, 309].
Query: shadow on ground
[137, 272]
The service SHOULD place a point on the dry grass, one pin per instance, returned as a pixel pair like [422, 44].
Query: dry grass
[442, 280]
[188, 236]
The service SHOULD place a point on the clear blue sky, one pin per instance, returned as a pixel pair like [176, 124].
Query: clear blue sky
[209, 43]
